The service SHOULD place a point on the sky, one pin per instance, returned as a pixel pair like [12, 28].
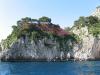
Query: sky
[62, 12]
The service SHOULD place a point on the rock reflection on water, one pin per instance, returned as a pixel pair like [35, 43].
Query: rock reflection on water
[50, 68]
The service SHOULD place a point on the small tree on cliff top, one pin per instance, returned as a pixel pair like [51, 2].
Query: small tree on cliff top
[45, 19]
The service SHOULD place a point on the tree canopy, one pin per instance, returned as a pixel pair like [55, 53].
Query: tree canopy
[92, 22]
[45, 19]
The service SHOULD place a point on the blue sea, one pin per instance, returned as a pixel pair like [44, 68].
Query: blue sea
[50, 68]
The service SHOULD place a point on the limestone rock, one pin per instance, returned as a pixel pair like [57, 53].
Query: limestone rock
[97, 12]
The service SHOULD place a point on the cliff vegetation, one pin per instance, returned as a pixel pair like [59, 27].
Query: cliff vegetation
[92, 22]
[37, 29]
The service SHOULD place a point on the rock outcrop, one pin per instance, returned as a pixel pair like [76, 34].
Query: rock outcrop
[34, 40]
[97, 12]
[37, 50]
[88, 47]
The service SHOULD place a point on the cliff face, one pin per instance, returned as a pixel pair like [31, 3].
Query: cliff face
[34, 39]
[88, 30]
[51, 50]
[88, 47]
[44, 49]
[97, 12]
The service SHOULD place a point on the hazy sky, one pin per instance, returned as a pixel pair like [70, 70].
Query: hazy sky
[62, 12]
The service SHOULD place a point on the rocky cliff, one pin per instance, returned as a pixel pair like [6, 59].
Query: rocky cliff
[88, 30]
[88, 47]
[43, 49]
[37, 41]
[97, 12]
[40, 40]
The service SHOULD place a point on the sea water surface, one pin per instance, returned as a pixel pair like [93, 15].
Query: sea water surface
[50, 68]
